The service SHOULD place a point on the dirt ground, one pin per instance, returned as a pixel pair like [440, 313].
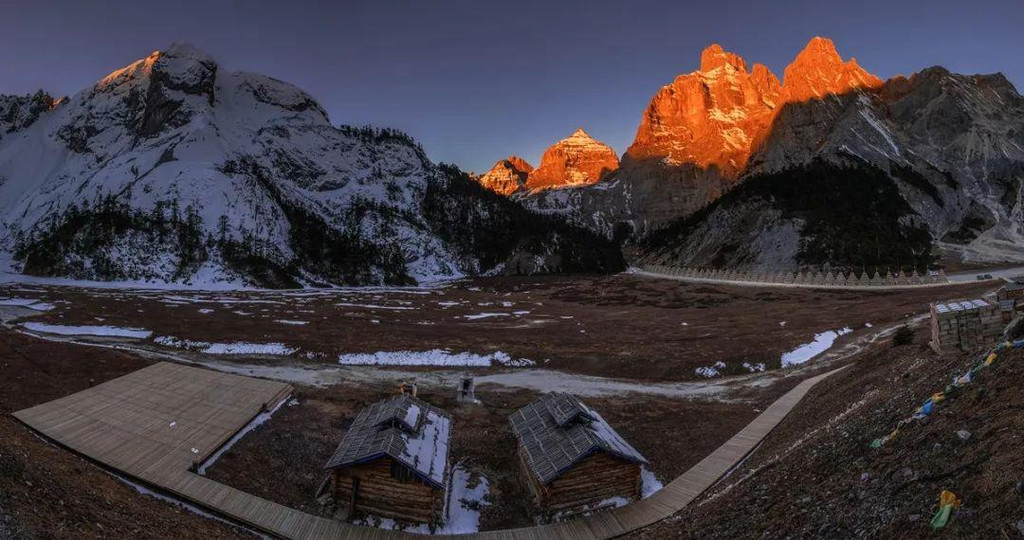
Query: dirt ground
[816, 475]
[48, 492]
[612, 326]
[624, 327]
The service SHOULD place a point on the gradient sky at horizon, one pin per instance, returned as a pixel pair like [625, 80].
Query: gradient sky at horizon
[475, 81]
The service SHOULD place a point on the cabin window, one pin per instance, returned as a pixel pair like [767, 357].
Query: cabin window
[402, 473]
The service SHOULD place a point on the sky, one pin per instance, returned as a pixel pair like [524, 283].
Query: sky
[475, 81]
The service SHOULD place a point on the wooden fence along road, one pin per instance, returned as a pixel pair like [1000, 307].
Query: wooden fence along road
[159, 423]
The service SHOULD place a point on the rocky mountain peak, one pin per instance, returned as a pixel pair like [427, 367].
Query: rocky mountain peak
[507, 176]
[519, 163]
[708, 118]
[717, 116]
[179, 67]
[819, 71]
[714, 57]
[766, 82]
[576, 160]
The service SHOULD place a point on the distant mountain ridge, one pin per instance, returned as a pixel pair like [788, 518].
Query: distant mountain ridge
[173, 170]
[577, 160]
[951, 145]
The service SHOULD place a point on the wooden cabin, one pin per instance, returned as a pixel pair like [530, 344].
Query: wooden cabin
[1013, 290]
[393, 462]
[571, 459]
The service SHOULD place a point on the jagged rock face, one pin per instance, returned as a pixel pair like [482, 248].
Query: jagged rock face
[507, 176]
[819, 71]
[172, 169]
[577, 160]
[710, 118]
[19, 112]
[718, 116]
[952, 143]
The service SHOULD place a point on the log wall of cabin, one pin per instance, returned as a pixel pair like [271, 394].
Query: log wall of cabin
[595, 479]
[382, 495]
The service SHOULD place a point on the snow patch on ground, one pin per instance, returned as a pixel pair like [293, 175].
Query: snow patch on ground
[649, 484]
[241, 347]
[465, 502]
[822, 342]
[293, 323]
[434, 357]
[374, 306]
[711, 371]
[484, 316]
[177, 343]
[86, 330]
[29, 303]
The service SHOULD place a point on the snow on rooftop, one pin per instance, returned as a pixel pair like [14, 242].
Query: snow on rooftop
[961, 305]
[428, 452]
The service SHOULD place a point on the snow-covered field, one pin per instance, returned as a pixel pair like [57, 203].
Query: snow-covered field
[106, 331]
[236, 348]
[434, 357]
[26, 303]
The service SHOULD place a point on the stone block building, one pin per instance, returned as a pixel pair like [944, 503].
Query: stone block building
[965, 324]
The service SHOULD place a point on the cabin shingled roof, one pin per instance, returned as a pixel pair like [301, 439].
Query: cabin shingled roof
[558, 431]
[404, 428]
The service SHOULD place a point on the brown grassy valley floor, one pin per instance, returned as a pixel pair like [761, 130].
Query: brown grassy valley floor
[628, 328]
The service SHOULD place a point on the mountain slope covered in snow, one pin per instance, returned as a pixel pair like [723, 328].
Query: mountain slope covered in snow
[173, 170]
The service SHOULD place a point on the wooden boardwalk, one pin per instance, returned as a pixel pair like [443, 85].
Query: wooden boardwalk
[157, 424]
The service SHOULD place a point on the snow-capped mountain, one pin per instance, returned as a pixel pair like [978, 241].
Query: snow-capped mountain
[172, 169]
[507, 176]
[577, 160]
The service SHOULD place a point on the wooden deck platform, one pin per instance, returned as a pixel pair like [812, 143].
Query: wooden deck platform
[157, 424]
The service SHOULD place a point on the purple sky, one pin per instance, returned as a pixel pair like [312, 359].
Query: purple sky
[477, 80]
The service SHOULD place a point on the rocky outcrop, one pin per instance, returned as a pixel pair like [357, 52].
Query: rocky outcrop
[815, 215]
[507, 176]
[577, 160]
[19, 112]
[952, 144]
